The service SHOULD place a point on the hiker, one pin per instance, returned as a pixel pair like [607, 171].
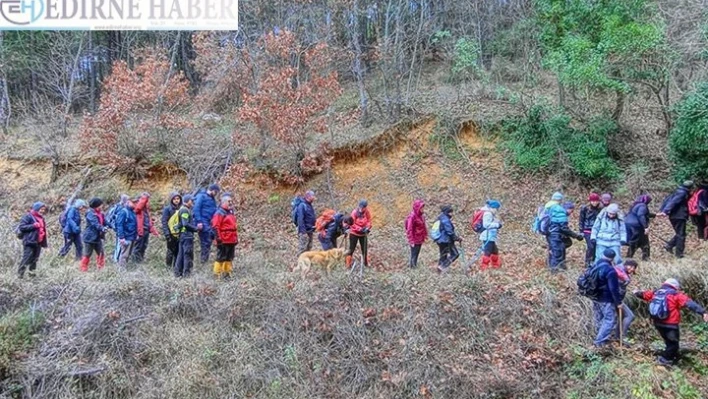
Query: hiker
[33, 231]
[559, 233]
[637, 222]
[112, 218]
[665, 309]
[187, 228]
[226, 235]
[447, 239]
[359, 233]
[145, 227]
[608, 299]
[588, 214]
[305, 220]
[625, 271]
[94, 235]
[609, 232]
[491, 225]
[675, 206]
[127, 232]
[606, 199]
[698, 210]
[329, 228]
[72, 229]
[171, 242]
[205, 206]
[416, 231]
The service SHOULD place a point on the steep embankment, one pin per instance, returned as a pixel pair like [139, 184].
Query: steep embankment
[510, 333]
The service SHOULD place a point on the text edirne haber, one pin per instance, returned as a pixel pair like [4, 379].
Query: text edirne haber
[132, 9]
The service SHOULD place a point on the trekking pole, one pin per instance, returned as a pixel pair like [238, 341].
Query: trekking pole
[620, 322]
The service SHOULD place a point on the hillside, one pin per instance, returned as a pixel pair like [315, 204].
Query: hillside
[517, 332]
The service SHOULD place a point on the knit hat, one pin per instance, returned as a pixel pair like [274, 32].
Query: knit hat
[613, 208]
[79, 203]
[673, 282]
[557, 196]
[37, 206]
[363, 204]
[446, 209]
[609, 253]
[225, 196]
[606, 198]
[568, 205]
[594, 197]
[95, 202]
[688, 184]
[214, 187]
[310, 194]
[494, 204]
[187, 198]
[124, 198]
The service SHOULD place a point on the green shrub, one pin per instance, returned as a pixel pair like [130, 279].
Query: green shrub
[17, 334]
[465, 59]
[543, 140]
[688, 141]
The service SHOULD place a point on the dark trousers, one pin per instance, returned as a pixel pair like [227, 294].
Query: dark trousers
[448, 254]
[363, 240]
[415, 252]
[556, 253]
[490, 248]
[172, 244]
[185, 257]
[327, 243]
[590, 250]
[139, 247]
[701, 222]
[225, 252]
[205, 239]
[69, 240]
[30, 255]
[639, 240]
[91, 247]
[679, 239]
[671, 337]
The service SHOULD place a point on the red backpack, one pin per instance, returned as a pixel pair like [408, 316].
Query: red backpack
[477, 221]
[693, 208]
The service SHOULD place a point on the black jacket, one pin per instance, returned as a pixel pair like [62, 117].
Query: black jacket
[30, 234]
[638, 216]
[588, 214]
[675, 206]
[167, 213]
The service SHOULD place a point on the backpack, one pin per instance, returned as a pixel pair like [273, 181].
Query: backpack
[324, 219]
[294, 205]
[694, 208]
[659, 305]
[173, 224]
[589, 282]
[542, 221]
[62, 218]
[477, 221]
[112, 216]
[435, 231]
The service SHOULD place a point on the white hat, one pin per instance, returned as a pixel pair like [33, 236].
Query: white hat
[673, 282]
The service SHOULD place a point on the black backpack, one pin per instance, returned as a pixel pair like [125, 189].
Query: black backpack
[659, 305]
[589, 282]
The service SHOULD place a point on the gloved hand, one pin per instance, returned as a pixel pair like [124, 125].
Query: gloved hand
[365, 230]
[37, 225]
[593, 241]
[579, 237]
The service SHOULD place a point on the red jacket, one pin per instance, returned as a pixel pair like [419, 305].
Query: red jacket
[676, 302]
[416, 230]
[142, 211]
[225, 227]
[362, 220]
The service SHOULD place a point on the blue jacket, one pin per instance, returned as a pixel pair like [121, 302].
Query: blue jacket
[609, 232]
[94, 228]
[491, 226]
[127, 225]
[204, 209]
[305, 218]
[676, 205]
[608, 283]
[559, 222]
[73, 221]
[638, 216]
[447, 230]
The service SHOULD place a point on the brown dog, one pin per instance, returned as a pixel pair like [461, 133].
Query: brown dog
[324, 259]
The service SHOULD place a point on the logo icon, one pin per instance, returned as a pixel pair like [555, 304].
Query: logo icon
[21, 12]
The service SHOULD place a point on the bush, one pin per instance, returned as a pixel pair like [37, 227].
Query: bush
[688, 141]
[17, 333]
[543, 140]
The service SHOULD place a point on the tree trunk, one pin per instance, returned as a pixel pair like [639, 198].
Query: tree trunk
[357, 68]
[619, 106]
[5, 107]
[92, 74]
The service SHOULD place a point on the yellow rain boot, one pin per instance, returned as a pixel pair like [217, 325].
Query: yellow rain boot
[218, 268]
[227, 267]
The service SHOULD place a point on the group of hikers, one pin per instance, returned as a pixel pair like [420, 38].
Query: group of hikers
[130, 219]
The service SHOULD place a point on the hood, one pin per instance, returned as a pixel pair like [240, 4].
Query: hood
[643, 199]
[172, 197]
[446, 209]
[418, 206]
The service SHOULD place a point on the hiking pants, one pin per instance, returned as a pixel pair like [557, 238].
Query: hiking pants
[116, 251]
[364, 241]
[225, 252]
[600, 249]
[679, 239]
[124, 253]
[415, 252]
[185, 256]
[701, 223]
[30, 255]
[89, 249]
[140, 247]
[327, 243]
[556, 255]
[304, 243]
[671, 337]
[205, 238]
[69, 240]
[448, 254]
[605, 320]
[590, 250]
[627, 319]
[172, 244]
[640, 240]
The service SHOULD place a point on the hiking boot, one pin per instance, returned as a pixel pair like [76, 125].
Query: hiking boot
[227, 277]
[669, 249]
[662, 361]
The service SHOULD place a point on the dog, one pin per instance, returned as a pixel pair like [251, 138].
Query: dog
[324, 259]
